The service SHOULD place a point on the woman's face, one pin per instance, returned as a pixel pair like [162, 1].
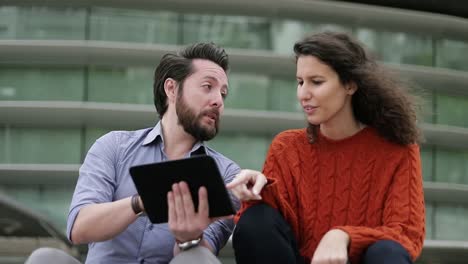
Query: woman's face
[321, 94]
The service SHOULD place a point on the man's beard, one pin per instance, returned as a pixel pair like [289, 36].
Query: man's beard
[192, 122]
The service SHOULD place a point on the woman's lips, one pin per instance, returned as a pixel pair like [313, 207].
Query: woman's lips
[309, 109]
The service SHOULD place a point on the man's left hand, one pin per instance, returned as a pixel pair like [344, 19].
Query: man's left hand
[184, 223]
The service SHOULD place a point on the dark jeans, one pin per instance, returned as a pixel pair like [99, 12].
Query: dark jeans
[263, 236]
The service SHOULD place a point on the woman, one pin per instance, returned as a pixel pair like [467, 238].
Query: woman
[348, 188]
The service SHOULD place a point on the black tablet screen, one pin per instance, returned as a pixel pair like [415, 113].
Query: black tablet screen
[154, 181]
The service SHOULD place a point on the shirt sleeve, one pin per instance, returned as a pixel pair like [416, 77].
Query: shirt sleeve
[96, 181]
[403, 215]
[218, 233]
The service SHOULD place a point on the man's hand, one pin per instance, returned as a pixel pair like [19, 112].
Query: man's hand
[247, 185]
[332, 249]
[184, 223]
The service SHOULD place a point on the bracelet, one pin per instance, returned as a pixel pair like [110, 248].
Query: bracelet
[136, 205]
[189, 244]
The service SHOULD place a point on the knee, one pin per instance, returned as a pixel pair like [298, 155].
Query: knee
[198, 254]
[258, 218]
[49, 255]
[386, 249]
[256, 221]
[42, 254]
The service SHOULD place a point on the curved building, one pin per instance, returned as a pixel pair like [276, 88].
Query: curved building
[72, 70]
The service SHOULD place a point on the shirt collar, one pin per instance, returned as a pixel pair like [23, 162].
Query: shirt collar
[156, 132]
[153, 134]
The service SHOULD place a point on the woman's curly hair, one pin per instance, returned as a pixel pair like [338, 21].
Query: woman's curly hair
[381, 100]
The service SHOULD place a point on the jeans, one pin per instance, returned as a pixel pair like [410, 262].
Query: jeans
[263, 236]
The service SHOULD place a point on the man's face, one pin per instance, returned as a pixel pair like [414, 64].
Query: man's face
[200, 101]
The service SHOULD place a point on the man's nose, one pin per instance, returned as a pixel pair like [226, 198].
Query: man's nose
[217, 100]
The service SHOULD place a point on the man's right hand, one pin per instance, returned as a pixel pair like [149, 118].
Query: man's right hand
[247, 185]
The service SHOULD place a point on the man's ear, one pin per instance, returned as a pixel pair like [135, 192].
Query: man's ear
[351, 88]
[170, 87]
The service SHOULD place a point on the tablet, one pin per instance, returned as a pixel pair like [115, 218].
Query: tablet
[153, 182]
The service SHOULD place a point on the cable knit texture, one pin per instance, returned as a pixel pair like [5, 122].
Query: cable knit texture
[364, 185]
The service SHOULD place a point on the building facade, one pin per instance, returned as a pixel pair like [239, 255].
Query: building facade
[71, 72]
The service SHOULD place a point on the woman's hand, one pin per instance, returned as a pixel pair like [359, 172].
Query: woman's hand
[332, 249]
[247, 185]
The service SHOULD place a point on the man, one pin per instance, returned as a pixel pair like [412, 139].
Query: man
[189, 93]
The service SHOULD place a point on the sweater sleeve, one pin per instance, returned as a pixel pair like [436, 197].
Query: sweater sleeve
[275, 193]
[403, 214]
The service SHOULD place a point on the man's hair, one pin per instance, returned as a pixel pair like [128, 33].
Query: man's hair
[179, 66]
[381, 100]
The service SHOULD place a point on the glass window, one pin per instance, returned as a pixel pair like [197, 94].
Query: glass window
[427, 110]
[133, 26]
[227, 31]
[451, 54]
[248, 91]
[427, 161]
[451, 165]
[398, 47]
[121, 85]
[452, 110]
[371, 39]
[287, 32]
[450, 222]
[44, 145]
[3, 145]
[8, 17]
[56, 203]
[28, 195]
[42, 23]
[248, 151]
[51, 202]
[429, 224]
[284, 34]
[283, 96]
[45, 83]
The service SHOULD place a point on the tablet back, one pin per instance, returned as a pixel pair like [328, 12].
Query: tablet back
[153, 182]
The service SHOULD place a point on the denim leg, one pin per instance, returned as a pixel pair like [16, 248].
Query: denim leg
[386, 252]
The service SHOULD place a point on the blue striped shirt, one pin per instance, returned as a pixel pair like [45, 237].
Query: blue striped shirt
[104, 177]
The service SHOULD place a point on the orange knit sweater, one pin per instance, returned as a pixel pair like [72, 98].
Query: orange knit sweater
[364, 185]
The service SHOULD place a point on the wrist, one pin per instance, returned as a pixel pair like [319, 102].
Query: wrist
[137, 205]
[342, 234]
[186, 245]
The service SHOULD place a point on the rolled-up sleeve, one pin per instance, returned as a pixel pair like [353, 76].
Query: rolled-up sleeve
[96, 181]
[218, 233]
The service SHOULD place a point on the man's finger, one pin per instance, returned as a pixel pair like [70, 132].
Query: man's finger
[179, 204]
[203, 206]
[187, 199]
[171, 204]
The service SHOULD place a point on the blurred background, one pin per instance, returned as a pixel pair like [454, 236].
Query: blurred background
[72, 70]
